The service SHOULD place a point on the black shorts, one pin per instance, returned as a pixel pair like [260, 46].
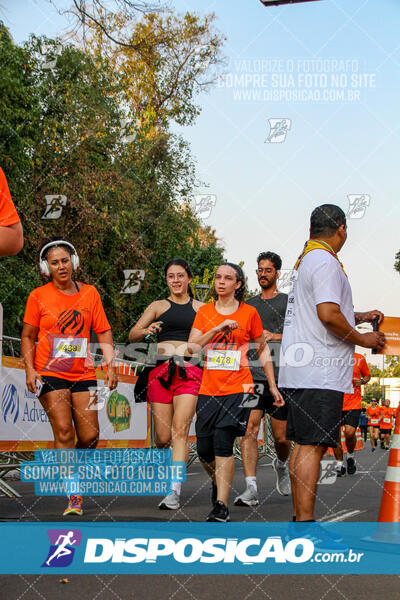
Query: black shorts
[314, 416]
[221, 411]
[266, 401]
[386, 431]
[351, 417]
[56, 383]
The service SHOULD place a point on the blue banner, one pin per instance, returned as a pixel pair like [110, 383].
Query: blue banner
[199, 548]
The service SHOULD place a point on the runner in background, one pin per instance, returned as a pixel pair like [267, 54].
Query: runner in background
[374, 414]
[225, 328]
[351, 411]
[386, 423]
[381, 433]
[174, 383]
[60, 316]
[363, 423]
[11, 235]
[271, 306]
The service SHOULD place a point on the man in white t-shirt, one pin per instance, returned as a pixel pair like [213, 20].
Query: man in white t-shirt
[316, 362]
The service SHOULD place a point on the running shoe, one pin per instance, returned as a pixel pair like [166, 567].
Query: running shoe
[219, 513]
[351, 466]
[323, 539]
[282, 478]
[340, 471]
[214, 493]
[248, 498]
[382, 446]
[373, 449]
[170, 502]
[74, 506]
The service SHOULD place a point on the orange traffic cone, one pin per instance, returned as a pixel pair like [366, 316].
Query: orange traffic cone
[390, 504]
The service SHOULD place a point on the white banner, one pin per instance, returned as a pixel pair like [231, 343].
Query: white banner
[22, 417]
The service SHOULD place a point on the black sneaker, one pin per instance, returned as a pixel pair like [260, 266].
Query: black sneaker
[382, 445]
[214, 493]
[340, 471]
[351, 466]
[219, 513]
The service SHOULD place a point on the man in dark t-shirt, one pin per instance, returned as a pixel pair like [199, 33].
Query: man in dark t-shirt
[271, 306]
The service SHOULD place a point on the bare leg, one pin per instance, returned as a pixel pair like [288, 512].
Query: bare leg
[293, 458]
[184, 409]
[306, 469]
[282, 445]
[351, 439]
[86, 420]
[57, 405]
[338, 451]
[249, 445]
[162, 415]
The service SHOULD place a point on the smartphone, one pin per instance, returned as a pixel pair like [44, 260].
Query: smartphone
[149, 335]
[375, 327]
[39, 386]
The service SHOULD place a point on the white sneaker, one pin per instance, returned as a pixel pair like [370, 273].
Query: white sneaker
[170, 502]
[282, 478]
[248, 498]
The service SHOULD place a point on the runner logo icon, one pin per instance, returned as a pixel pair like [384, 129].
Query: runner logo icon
[62, 547]
[10, 403]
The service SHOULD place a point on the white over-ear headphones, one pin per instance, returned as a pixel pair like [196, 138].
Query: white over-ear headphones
[44, 265]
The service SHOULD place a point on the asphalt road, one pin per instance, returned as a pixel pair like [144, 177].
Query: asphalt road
[350, 498]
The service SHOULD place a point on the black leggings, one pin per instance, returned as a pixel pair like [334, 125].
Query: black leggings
[220, 443]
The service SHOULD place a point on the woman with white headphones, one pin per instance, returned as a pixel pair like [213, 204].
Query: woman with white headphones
[60, 316]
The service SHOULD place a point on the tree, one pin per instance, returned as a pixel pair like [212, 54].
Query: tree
[61, 138]
[375, 372]
[162, 62]
[372, 390]
[392, 366]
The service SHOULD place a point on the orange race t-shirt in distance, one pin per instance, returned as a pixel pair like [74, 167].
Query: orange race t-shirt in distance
[64, 323]
[224, 381]
[387, 414]
[8, 214]
[373, 416]
[360, 369]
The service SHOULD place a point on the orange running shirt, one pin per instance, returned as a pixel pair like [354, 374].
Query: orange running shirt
[64, 323]
[373, 416]
[8, 214]
[360, 369]
[386, 417]
[222, 382]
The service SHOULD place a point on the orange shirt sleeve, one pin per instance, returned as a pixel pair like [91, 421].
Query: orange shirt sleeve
[364, 368]
[200, 321]
[99, 320]
[8, 214]
[32, 310]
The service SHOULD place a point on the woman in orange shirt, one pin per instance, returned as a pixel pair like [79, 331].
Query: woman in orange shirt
[374, 415]
[225, 329]
[60, 370]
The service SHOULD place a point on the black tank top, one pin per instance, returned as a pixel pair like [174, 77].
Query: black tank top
[177, 322]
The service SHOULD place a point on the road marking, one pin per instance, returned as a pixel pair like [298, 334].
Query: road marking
[342, 515]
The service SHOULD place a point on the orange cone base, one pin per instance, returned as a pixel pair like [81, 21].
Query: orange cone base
[390, 505]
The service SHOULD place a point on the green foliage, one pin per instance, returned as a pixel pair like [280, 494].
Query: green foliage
[392, 366]
[372, 390]
[60, 134]
[374, 370]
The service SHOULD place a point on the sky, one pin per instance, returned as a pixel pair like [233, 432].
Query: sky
[305, 112]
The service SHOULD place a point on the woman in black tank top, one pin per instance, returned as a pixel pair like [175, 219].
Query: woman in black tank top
[174, 383]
